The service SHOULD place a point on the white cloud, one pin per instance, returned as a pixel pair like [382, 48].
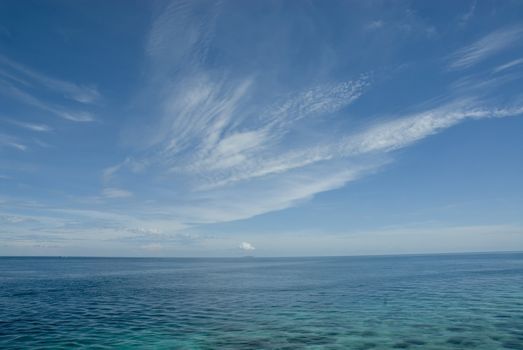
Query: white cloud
[487, 46]
[246, 246]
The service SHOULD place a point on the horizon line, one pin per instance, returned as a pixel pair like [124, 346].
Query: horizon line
[259, 257]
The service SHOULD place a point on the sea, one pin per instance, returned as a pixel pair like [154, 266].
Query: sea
[447, 301]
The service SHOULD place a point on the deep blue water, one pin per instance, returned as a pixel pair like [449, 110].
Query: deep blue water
[468, 301]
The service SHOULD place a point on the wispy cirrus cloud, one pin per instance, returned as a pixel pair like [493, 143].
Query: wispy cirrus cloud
[31, 126]
[67, 113]
[381, 138]
[341, 161]
[193, 23]
[402, 132]
[12, 142]
[485, 47]
[231, 124]
[279, 177]
[30, 88]
[209, 145]
[26, 76]
[508, 65]
[247, 148]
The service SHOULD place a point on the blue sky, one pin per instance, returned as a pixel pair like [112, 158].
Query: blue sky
[269, 128]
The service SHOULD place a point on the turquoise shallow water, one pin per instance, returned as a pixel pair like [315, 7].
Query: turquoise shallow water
[469, 301]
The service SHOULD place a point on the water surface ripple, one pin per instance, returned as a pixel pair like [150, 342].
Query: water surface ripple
[467, 301]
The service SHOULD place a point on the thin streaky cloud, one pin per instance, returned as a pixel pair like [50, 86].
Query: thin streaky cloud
[14, 79]
[78, 93]
[508, 65]
[405, 131]
[12, 142]
[31, 126]
[266, 196]
[41, 143]
[179, 36]
[22, 96]
[112, 192]
[485, 47]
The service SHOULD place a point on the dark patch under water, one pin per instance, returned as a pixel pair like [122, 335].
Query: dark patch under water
[467, 301]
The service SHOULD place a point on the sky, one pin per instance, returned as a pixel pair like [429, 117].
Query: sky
[263, 128]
